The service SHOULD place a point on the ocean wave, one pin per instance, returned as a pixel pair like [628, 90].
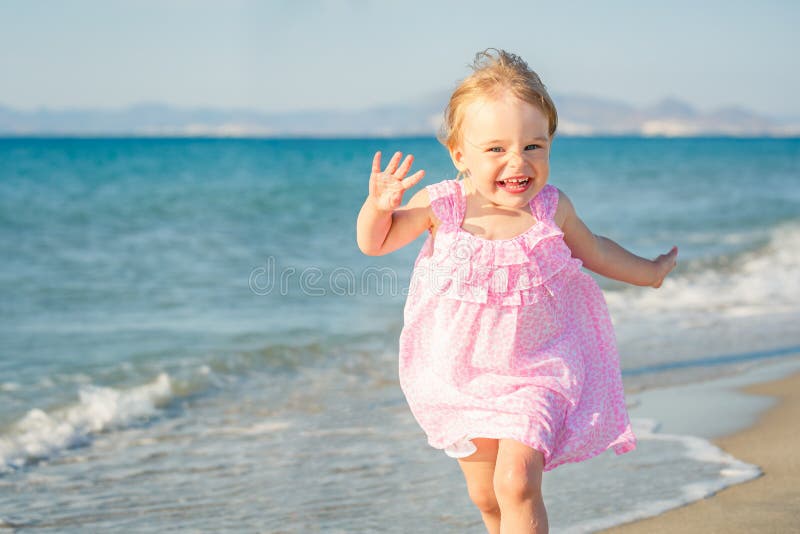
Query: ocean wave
[39, 435]
[691, 453]
[9, 386]
[759, 281]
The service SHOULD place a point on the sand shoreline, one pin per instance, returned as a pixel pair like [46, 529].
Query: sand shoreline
[769, 503]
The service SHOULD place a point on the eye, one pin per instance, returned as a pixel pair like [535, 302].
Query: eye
[532, 147]
[496, 149]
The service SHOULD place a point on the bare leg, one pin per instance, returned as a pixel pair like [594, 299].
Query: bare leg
[518, 487]
[479, 473]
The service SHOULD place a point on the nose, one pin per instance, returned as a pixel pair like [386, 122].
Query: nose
[515, 158]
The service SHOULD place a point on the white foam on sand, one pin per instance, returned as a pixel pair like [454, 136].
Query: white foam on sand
[712, 408]
[39, 435]
[674, 463]
[689, 451]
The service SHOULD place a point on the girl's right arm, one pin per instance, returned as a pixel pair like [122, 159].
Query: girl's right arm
[384, 226]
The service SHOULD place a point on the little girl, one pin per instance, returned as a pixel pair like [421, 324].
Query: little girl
[507, 356]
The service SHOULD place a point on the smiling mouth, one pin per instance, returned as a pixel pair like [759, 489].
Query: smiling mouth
[514, 185]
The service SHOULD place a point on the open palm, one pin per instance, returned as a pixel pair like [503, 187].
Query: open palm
[386, 187]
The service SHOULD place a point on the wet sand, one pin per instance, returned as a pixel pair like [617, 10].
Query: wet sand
[767, 504]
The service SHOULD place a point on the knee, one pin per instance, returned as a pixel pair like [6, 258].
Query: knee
[518, 482]
[484, 498]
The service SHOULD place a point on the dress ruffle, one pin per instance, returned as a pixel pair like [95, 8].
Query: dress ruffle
[512, 272]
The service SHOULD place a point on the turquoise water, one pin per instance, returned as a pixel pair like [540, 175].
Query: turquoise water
[176, 307]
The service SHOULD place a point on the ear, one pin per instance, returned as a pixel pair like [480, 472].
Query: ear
[457, 155]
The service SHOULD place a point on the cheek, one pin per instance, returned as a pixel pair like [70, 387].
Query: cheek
[542, 164]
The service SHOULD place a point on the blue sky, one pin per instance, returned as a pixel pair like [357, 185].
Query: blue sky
[347, 54]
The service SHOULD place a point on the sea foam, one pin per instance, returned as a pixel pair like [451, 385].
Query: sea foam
[637, 471]
[759, 281]
[40, 435]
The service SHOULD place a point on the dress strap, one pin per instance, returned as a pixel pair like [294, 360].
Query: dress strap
[546, 202]
[447, 201]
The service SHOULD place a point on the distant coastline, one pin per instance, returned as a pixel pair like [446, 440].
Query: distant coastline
[4, 136]
[579, 116]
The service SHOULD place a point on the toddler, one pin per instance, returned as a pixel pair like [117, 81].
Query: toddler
[507, 356]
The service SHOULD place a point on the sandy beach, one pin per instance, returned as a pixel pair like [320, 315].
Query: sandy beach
[769, 503]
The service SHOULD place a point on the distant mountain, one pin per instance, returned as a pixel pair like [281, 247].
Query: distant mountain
[578, 115]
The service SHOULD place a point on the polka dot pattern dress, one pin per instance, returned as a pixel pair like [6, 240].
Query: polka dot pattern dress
[510, 339]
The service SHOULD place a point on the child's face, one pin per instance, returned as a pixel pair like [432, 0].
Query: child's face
[505, 146]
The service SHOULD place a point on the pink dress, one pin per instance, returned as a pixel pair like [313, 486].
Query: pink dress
[510, 339]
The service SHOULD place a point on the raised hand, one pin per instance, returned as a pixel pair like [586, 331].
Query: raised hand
[664, 264]
[386, 187]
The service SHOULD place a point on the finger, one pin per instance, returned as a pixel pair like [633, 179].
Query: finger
[376, 163]
[394, 162]
[673, 255]
[412, 180]
[403, 170]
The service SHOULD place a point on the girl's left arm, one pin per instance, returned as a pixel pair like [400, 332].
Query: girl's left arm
[605, 257]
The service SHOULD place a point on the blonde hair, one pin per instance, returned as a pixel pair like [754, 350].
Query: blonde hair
[495, 71]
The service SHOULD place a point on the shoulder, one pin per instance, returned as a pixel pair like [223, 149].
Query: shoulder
[442, 190]
[564, 209]
[444, 201]
[552, 204]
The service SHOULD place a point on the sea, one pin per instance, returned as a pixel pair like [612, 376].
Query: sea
[190, 339]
